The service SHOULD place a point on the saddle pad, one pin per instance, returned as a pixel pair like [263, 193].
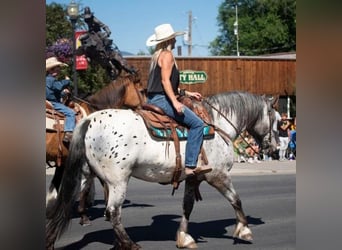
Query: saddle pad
[52, 124]
[182, 133]
[159, 126]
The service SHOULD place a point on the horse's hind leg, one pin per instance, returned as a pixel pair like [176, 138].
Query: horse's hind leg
[86, 198]
[51, 195]
[183, 239]
[223, 184]
[116, 197]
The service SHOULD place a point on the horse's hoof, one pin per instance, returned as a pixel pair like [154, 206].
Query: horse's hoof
[85, 222]
[247, 237]
[243, 232]
[184, 240]
[106, 215]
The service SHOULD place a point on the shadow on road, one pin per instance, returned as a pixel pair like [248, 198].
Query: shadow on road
[164, 228]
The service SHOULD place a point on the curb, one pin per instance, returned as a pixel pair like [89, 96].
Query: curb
[262, 168]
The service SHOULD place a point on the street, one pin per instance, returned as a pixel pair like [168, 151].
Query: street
[151, 215]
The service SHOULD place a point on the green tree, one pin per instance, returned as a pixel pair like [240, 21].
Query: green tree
[264, 27]
[57, 24]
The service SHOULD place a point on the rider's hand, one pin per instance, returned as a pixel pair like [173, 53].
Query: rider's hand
[179, 107]
[195, 95]
[66, 91]
[67, 78]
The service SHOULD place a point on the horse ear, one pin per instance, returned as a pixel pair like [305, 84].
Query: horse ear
[275, 101]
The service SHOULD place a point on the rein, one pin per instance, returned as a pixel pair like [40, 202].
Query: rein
[84, 101]
[223, 132]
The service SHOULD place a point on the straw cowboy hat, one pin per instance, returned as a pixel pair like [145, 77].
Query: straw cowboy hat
[162, 33]
[53, 62]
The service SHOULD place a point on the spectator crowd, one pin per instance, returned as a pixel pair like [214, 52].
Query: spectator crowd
[247, 150]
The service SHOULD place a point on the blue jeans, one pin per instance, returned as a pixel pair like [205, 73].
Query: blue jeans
[70, 114]
[190, 119]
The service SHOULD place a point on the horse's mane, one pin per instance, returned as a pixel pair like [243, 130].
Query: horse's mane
[246, 106]
[111, 96]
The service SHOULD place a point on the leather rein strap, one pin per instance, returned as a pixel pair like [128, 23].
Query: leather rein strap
[222, 133]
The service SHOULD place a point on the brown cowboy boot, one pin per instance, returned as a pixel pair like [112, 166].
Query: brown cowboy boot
[67, 137]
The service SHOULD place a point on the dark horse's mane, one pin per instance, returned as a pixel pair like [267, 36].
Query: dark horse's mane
[248, 107]
[111, 96]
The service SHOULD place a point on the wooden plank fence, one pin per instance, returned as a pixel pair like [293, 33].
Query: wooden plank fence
[259, 75]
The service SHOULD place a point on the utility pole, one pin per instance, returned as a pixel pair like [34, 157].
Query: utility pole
[236, 30]
[189, 34]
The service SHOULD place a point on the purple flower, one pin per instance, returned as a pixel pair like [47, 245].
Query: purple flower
[62, 49]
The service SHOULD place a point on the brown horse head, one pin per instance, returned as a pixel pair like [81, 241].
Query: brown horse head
[125, 91]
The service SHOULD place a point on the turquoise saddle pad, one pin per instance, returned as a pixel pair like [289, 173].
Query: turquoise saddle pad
[182, 133]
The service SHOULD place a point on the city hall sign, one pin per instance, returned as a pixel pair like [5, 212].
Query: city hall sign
[192, 77]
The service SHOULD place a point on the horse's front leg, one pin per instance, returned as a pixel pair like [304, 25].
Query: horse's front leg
[223, 184]
[183, 239]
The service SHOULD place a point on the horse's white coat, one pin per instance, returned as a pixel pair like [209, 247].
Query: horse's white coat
[117, 147]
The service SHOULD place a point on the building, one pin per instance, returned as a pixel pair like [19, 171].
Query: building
[271, 75]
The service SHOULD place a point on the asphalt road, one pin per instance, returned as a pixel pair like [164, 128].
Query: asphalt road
[151, 215]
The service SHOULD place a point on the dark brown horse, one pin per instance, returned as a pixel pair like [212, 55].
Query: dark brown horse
[124, 92]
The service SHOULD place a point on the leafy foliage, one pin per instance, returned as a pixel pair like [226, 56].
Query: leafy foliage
[264, 27]
[57, 23]
[62, 49]
[59, 34]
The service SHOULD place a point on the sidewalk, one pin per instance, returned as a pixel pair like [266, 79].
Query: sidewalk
[264, 167]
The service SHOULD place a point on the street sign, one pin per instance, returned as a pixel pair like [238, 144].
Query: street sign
[192, 77]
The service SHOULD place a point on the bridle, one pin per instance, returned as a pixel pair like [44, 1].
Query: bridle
[225, 135]
[221, 131]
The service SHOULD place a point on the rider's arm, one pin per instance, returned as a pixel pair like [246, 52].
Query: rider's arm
[196, 95]
[103, 26]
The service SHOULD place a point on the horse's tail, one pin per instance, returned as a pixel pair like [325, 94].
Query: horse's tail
[58, 218]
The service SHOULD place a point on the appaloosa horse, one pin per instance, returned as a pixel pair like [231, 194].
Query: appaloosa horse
[123, 92]
[116, 145]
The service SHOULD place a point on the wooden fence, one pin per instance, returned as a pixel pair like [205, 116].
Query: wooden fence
[259, 75]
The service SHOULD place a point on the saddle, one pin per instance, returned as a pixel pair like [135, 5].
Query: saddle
[55, 122]
[163, 127]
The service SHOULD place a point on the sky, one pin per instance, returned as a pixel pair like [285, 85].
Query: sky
[133, 21]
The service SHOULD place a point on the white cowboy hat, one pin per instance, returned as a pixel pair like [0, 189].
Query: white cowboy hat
[162, 33]
[53, 62]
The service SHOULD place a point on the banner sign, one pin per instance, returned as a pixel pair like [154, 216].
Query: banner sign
[81, 61]
[192, 77]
